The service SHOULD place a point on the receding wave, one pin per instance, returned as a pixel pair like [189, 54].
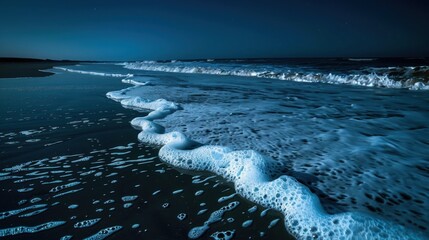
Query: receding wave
[94, 73]
[414, 78]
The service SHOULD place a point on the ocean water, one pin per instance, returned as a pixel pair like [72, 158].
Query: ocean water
[360, 150]
[338, 147]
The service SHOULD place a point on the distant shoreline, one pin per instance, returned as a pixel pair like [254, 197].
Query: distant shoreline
[27, 67]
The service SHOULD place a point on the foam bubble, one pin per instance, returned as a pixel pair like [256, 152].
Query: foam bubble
[223, 235]
[129, 198]
[21, 190]
[10, 213]
[35, 200]
[104, 233]
[199, 192]
[62, 187]
[273, 222]
[135, 226]
[30, 214]
[29, 132]
[24, 229]
[86, 223]
[247, 223]
[252, 209]
[109, 201]
[67, 192]
[202, 211]
[215, 216]
[224, 198]
[165, 205]
[178, 191]
[181, 216]
[84, 159]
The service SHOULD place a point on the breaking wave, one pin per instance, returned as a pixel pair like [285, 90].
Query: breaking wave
[413, 78]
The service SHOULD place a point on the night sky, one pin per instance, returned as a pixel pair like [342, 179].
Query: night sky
[157, 29]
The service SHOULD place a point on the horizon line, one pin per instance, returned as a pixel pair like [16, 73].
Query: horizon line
[29, 59]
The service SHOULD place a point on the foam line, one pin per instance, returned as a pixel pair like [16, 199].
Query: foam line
[94, 73]
[250, 172]
[134, 82]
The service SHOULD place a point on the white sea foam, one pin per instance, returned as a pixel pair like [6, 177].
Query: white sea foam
[135, 82]
[247, 223]
[252, 174]
[30, 132]
[94, 73]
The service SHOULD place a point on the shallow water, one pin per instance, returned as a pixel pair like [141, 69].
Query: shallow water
[87, 171]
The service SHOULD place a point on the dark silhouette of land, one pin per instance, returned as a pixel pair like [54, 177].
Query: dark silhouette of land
[29, 67]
